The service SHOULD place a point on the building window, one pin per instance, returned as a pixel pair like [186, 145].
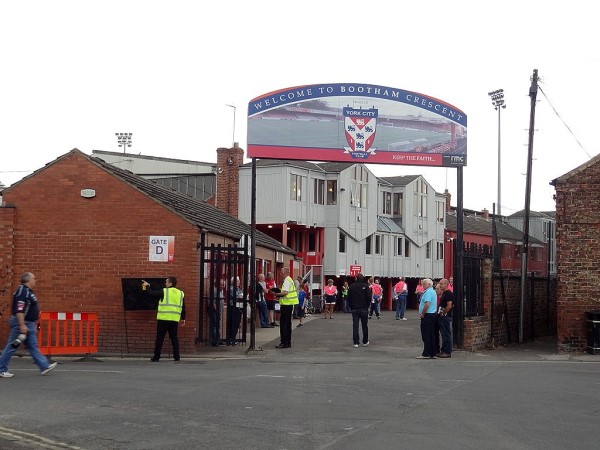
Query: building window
[440, 211]
[517, 253]
[440, 250]
[421, 197]
[342, 243]
[378, 246]
[312, 238]
[399, 246]
[386, 203]
[296, 188]
[428, 250]
[407, 248]
[296, 240]
[319, 192]
[359, 187]
[361, 173]
[368, 245]
[332, 192]
[397, 205]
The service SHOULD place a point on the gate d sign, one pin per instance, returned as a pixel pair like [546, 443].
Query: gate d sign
[161, 248]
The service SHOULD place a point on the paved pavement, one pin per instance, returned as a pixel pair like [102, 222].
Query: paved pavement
[321, 394]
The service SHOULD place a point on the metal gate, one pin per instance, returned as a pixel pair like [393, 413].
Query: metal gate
[223, 294]
[472, 285]
[474, 254]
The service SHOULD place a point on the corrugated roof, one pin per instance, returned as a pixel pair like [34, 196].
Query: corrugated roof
[334, 167]
[194, 211]
[400, 180]
[284, 162]
[532, 214]
[328, 167]
[480, 225]
[387, 225]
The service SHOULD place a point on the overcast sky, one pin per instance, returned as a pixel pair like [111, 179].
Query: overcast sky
[75, 72]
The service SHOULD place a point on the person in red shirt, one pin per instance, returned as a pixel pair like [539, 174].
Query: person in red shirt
[331, 293]
[401, 293]
[270, 297]
[376, 296]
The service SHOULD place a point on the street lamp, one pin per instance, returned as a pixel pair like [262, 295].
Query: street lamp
[234, 111]
[124, 140]
[498, 102]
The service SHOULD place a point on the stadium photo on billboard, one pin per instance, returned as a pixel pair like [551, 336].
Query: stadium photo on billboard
[351, 122]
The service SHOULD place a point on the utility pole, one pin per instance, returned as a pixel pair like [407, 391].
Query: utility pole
[533, 94]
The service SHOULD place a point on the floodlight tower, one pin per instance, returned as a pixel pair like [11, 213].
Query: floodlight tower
[124, 140]
[498, 102]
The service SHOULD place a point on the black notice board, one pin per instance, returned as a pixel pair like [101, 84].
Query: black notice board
[135, 299]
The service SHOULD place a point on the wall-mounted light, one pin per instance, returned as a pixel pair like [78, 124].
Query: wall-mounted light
[269, 226]
[342, 190]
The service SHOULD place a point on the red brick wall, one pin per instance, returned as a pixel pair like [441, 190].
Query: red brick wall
[539, 318]
[228, 180]
[578, 254]
[80, 249]
[7, 217]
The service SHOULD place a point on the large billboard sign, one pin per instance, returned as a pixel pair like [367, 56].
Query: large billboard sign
[352, 122]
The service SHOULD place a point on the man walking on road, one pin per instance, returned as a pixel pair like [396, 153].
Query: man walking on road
[23, 325]
[359, 300]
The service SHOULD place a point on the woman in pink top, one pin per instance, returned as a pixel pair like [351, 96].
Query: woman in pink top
[419, 290]
[330, 299]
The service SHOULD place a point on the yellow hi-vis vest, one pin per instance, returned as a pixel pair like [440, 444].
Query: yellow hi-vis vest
[169, 308]
[292, 296]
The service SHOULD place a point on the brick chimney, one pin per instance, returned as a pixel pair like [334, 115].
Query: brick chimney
[485, 213]
[228, 182]
[448, 198]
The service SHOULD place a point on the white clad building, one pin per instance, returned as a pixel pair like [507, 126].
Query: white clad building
[338, 215]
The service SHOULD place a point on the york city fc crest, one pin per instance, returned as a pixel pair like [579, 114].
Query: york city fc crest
[360, 126]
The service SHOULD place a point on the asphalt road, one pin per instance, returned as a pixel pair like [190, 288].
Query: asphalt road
[320, 394]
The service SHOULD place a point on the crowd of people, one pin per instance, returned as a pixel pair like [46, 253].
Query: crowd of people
[278, 306]
[363, 300]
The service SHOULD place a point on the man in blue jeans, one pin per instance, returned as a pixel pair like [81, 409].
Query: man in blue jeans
[401, 293]
[23, 324]
[445, 318]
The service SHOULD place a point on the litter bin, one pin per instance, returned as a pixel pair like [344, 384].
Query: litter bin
[593, 332]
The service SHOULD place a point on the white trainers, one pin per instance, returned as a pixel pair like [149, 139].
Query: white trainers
[50, 367]
[404, 318]
[366, 344]
[355, 345]
[10, 375]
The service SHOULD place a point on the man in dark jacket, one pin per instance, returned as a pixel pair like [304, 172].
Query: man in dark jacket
[359, 300]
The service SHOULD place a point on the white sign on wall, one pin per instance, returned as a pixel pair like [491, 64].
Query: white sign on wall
[161, 248]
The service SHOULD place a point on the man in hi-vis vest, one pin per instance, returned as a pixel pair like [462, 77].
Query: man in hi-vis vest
[288, 297]
[171, 310]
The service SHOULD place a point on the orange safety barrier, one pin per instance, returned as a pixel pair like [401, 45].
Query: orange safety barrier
[64, 333]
